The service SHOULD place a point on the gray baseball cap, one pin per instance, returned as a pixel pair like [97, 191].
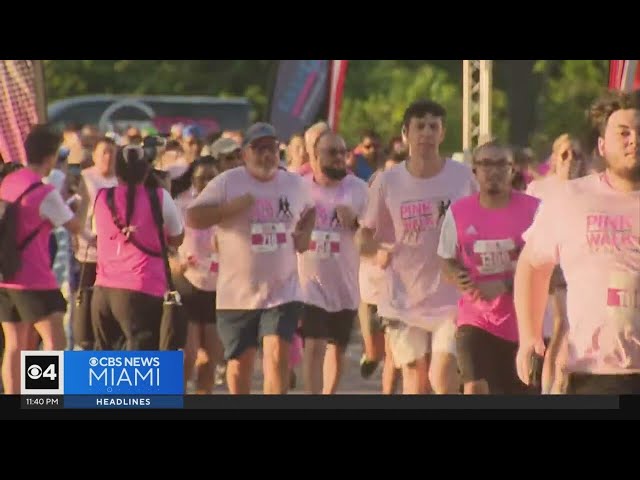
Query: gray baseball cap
[258, 130]
[223, 146]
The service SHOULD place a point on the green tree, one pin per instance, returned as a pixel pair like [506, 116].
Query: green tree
[246, 78]
[569, 88]
[378, 92]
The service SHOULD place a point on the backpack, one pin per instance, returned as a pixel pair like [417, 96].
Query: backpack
[10, 248]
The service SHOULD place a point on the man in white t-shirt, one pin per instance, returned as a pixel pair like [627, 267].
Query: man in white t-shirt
[418, 305]
[263, 216]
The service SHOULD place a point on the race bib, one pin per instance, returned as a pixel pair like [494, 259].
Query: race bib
[623, 301]
[494, 256]
[267, 237]
[325, 244]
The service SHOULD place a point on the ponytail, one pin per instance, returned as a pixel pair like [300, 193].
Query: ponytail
[132, 167]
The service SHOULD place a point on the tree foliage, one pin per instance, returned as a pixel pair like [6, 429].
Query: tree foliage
[569, 88]
[376, 91]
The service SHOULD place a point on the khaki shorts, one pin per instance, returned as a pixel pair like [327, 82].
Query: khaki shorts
[409, 343]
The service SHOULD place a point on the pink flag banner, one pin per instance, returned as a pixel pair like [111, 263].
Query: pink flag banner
[18, 107]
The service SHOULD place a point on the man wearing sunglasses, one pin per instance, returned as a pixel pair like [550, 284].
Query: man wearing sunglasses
[264, 215]
[329, 269]
[479, 243]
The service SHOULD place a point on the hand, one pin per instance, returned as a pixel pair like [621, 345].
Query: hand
[302, 232]
[383, 258]
[243, 202]
[523, 358]
[346, 216]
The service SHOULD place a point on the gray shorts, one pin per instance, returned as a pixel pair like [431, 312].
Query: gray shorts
[240, 330]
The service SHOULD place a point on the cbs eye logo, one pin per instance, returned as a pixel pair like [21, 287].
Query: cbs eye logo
[41, 372]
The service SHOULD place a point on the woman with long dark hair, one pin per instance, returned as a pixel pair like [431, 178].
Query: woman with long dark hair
[195, 271]
[131, 282]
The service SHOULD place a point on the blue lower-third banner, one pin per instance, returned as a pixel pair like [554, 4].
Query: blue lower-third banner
[123, 401]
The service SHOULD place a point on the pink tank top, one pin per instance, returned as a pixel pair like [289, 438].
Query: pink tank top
[120, 263]
[35, 272]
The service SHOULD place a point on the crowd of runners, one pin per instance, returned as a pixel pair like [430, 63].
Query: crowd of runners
[497, 274]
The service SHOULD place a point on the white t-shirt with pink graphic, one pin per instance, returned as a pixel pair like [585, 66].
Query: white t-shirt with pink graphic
[198, 250]
[257, 259]
[593, 232]
[414, 290]
[540, 188]
[329, 269]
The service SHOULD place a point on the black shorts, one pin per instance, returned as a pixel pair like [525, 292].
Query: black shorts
[483, 356]
[30, 305]
[199, 305]
[336, 327]
[125, 320]
[240, 330]
[591, 384]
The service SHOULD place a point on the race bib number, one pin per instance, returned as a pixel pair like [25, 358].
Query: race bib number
[494, 256]
[623, 301]
[267, 237]
[325, 244]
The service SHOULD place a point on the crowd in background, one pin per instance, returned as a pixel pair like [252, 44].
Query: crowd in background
[184, 168]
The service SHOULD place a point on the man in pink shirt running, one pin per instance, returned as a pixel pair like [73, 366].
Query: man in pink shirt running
[480, 241]
[414, 196]
[264, 215]
[591, 227]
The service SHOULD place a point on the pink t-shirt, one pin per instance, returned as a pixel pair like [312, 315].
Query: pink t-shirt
[197, 250]
[257, 259]
[487, 242]
[414, 291]
[593, 231]
[120, 263]
[540, 188]
[329, 269]
[40, 209]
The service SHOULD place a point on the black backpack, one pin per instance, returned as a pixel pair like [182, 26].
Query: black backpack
[10, 248]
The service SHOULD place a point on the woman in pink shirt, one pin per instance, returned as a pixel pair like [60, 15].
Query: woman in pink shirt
[126, 307]
[195, 271]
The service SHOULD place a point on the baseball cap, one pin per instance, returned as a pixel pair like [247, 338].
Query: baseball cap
[223, 146]
[258, 130]
[192, 131]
